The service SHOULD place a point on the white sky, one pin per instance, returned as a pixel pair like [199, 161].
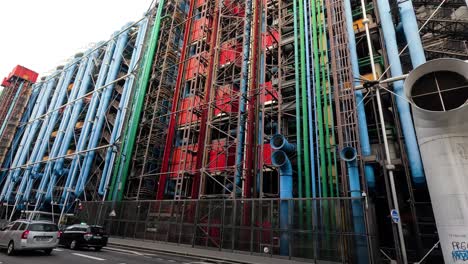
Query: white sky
[42, 34]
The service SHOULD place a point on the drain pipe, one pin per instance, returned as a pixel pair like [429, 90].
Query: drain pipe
[122, 111]
[243, 96]
[411, 30]
[361, 111]
[279, 158]
[349, 155]
[414, 158]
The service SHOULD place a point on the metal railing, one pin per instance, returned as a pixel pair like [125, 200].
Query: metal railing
[243, 225]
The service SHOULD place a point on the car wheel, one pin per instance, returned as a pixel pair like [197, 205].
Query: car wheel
[97, 248]
[11, 249]
[73, 245]
[48, 251]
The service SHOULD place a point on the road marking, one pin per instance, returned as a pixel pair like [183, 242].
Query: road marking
[160, 259]
[124, 250]
[171, 260]
[57, 249]
[87, 256]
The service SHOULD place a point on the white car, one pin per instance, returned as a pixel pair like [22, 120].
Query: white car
[29, 235]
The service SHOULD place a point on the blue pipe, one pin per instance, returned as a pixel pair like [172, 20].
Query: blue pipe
[68, 122]
[26, 141]
[121, 113]
[48, 125]
[410, 27]
[307, 15]
[280, 159]
[279, 142]
[12, 106]
[243, 96]
[35, 172]
[20, 132]
[101, 114]
[349, 155]
[361, 111]
[86, 129]
[412, 149]
[39, 138]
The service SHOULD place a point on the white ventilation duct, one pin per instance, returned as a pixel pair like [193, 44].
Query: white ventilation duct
[438, 91]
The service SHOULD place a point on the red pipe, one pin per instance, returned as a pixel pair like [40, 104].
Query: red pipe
[204, 115]
[175, 101]
[251, 120]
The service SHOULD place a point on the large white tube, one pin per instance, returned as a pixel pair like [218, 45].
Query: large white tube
[439, 92]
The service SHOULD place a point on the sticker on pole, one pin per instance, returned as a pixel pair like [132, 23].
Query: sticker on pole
[395, 216]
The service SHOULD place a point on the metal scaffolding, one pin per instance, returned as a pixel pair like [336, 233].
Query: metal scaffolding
[152, 134]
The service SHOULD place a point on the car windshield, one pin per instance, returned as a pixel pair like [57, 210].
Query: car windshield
[43, 227]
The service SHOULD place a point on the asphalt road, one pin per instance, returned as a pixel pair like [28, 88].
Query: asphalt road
[106, 256]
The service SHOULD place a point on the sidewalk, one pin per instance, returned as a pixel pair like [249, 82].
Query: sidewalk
[187, 250]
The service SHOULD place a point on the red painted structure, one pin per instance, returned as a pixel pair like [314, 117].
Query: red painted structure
[23, 73]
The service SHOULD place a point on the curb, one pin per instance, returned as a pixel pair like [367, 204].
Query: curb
[201, 256]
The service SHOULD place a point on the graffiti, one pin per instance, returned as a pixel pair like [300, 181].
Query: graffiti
[460, 255]
[459, 251]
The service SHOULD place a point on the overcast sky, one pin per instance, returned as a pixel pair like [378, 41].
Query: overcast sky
[42, 34]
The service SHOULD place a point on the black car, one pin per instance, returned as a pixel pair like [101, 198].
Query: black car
[83, 235]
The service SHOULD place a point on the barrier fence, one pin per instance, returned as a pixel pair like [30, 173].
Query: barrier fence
[321, 229]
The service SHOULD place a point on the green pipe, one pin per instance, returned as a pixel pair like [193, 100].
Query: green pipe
[323, 168]
[326, 103]
[298, 106]
[305, 125]
[330, 102]
[123, 162]
[298, 116]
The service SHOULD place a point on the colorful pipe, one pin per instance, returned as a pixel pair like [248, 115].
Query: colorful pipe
[361, 113]
[106, 97]
[123, 162]
[122, 111]
[243, 96]
[412, 149]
